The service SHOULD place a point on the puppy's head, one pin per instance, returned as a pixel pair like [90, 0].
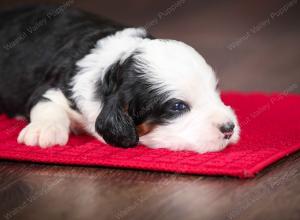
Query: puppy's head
[164, 94]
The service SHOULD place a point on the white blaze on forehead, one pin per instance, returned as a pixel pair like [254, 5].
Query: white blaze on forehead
[178, 67]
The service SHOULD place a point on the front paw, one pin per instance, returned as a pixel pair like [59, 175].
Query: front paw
[44, 134]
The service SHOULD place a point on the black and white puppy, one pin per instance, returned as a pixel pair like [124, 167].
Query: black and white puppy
[69, 70]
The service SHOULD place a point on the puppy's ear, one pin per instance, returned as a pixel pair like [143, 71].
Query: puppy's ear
[116, 126]
[113, 123]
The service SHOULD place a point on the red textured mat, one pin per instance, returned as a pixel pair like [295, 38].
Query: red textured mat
[270, 130]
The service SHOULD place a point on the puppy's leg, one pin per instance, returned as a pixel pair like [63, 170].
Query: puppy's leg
[49, 125]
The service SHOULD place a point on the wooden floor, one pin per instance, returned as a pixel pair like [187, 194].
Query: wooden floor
[32, 191]
[250, 49]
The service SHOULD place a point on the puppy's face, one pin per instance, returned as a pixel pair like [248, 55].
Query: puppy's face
[165, 95]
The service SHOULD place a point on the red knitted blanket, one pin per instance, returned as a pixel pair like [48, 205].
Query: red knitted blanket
[270, 130]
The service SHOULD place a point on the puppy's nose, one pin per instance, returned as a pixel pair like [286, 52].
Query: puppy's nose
[227, 129]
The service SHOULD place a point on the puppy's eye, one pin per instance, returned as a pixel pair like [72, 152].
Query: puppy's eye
[179, 106]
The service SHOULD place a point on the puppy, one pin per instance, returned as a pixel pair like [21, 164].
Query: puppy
[69, 70]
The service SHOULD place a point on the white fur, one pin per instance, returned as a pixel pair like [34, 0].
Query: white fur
[51, 121]
[49, 126]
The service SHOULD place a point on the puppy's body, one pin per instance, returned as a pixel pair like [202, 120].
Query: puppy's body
[32, 63]
[71, 70]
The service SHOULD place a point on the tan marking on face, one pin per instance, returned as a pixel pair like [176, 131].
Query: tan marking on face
[145, 128]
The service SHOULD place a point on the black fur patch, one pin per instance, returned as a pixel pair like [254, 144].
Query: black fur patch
[129, 100]
[39, 51]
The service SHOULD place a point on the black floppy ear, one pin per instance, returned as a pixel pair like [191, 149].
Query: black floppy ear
[116, 126]
[113, 123]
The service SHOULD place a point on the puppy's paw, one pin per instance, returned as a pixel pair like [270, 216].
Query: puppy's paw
[44, 134]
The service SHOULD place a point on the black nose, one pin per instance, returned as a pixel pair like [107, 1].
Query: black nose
[227, 129]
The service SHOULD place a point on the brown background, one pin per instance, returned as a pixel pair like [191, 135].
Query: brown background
[267, 61]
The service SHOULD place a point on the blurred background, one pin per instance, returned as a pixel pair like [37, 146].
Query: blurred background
[253, 45]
